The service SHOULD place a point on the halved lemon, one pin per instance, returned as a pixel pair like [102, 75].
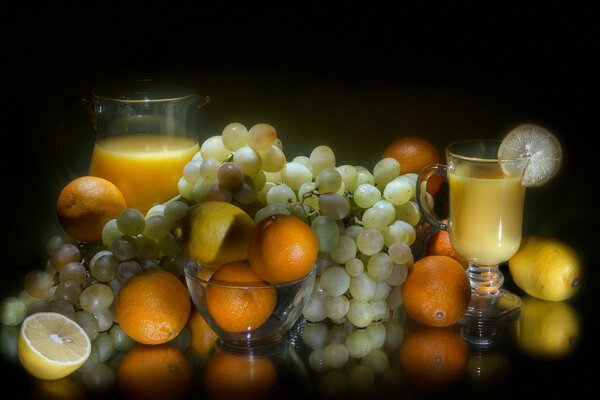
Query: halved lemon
[51, 346]
[539, 150]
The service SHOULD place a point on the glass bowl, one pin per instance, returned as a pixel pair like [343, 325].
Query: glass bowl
[291, 297]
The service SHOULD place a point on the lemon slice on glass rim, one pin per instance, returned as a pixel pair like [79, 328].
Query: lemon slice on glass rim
[539, 150]
[51, 346]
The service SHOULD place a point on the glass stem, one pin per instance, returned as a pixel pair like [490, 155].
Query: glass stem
[486, 280]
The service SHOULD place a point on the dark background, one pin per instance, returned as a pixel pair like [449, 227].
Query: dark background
[355, 79]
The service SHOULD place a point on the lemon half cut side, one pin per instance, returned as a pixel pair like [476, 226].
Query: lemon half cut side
[51, 346]
[539, 149]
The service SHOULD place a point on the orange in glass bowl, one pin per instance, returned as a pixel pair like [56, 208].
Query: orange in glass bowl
[247, 313]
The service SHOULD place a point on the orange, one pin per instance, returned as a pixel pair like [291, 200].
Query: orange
[414, 153]
[154, 372]
[242, 307]
[434, 359]
[85, 204]
[202, 337]
[439, 244]
[282, 248]
[436, 291]
[239, 376]
[153, 306]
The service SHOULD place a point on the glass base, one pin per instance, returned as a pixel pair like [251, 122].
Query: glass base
[487, 313]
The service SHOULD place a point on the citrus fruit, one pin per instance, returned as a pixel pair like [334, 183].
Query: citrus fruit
[154, 372]
[239, 376]
[282, 248]
[51, 346]
[415, 153]
[153, 306]
[546, 268]
[546, 329]
[215, 232]
[436, 291]
[237, 299]
[439, 244]
[434, 359]
[85, 204]
[202, 337]
[537, 147]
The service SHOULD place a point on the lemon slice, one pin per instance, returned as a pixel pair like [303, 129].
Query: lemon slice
[51, 346]
[538, 149]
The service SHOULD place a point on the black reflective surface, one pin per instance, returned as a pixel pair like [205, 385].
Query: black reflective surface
[355, 82]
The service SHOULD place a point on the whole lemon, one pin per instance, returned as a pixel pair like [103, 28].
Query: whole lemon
[546, 329]
[546, 268]
[215, 232]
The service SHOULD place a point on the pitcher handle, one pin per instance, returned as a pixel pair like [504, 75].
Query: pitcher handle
[424, 175]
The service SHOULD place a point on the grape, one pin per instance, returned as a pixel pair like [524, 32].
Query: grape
[156, 226]
[209, 168]
[322, 157]
[329, 180]
[128, 270]
[388, 208]
[366, 195]
[377, 334]
[56, 241]
[381, 291]
[362, 287]
[98, 377]
[174, 211]
[409, 212]
[360, 313]
[380, 266]
[354, 267]
[261, 136]
[380, 310]
[349, 176]
[335, 355]
[230, 175]
[335, 307]
[200, 188]
[96, 298]
[358, 343]
[156, 209]
[269, 210]
[273, 159]
[399, 252]
[344, 250]
[375, 218]
[398, 275]
[335, 281]
[394, 299]
[234, 136]
[213, 147]
[363, 176]
[62, 307]
[105, 318]
[353, 231]
[246, 193]
[376, 360]
[281, 194]
[295, 174]
[88, 323]
[97, 256]
[169, 245]
[121, 341]
[314, 335]
[89, 281]
[147, 248]
[396, 232]
[313, 311]
[131, 221]
[370, 241]
[105, 346]
[12, 311]
[261, 196]
[385, 171]
[248, 160]
[326, 231]
[69, 291]
[37, 282]
[72, 271]
[315, 360]
[110, 233]
[26, 298]
[185, 188]
[37, 306]
[191, 171]
[398, 191]
[274, 177]
[115, 285]
[259, 179]
[334, 205]
[304, 161]
[307, 196]
[65, 254]
[50, 294]
[124, 248]
[105, 268]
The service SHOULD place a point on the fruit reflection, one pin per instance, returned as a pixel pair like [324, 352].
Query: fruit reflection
[154, 372]
[433, 359]
[202, 336]
[546, 329]
[238, 375]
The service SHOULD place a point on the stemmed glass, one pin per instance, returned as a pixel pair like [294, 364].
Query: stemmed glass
[484, 225]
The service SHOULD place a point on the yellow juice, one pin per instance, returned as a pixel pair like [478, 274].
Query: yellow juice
[486, 213]
[146, 168]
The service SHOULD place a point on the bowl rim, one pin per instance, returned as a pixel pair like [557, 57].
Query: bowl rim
[190, 275]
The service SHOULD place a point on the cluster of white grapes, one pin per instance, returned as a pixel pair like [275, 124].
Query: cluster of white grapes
[364, 220]
[354, 360]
